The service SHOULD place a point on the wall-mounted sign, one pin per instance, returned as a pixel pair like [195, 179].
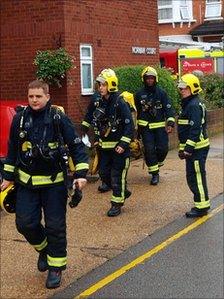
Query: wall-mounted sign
[143, 50]
[205, 65]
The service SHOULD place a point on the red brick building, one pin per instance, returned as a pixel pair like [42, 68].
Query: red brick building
[98, 34]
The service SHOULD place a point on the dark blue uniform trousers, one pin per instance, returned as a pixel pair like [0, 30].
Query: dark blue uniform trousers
[156, 147]
[196, 177]
[29, 205]
[113, 169]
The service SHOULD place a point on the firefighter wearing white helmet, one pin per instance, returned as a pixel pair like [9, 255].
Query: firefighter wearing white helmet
[155, 117]
[111, 119]
[194, 142]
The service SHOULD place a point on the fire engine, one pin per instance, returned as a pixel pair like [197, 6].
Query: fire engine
[182, 61]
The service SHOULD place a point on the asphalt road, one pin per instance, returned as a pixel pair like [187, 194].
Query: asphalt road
[182, 260]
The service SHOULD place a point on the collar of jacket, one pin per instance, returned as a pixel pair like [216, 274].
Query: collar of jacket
[186, 101]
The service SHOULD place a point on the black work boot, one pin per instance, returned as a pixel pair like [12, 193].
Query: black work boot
[104, 188]
[42, 265]
[53, 279]
[127, 193]
[155, 179]
[115, 209]
[194, 212]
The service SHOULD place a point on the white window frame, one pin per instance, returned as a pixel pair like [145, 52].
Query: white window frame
[178, 8]
[165, 7]
[86, 60]
[209, 5]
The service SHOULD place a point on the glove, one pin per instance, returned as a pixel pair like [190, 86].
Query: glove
[184, 155]
[76, 198]
[181, 155]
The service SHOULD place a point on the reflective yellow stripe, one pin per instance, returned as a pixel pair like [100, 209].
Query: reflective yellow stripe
[190, 142]
[84, 123]
[56, 261]
[107, 144]
[153, 168]
[183, 122]
[9, 168]
[125, 139]
[41, 246]
[171, 119]
[23, 177]
[81, 166]
[199, 180]
[202, 144]
[157, 125]
[142, 122]
[198, 145]
[202, 205]
[121, 198]
[45, 180]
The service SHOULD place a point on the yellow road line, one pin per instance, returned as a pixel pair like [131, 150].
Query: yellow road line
[103, 282]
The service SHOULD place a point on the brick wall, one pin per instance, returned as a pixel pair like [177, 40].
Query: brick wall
[214, 126]
[111, 27]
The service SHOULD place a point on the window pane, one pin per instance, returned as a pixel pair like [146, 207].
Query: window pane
[86, 75]
[164, 2]
[210, 1]
[86, 52]
[213, 10]
[165, 14]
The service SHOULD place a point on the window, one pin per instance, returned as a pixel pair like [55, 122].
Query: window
[86, 67]
[165, 10]
[213, 8]
[174, 11]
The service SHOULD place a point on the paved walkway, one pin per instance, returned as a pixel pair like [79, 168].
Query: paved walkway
[93, 238]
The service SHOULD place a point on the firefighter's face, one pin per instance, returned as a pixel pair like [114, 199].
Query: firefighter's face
[37, 98]
[185, 92]
[150, 80]
[103, 89]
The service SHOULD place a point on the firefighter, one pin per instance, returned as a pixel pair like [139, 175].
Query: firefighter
[87, 123]
[155, 118]
[194, 142]
[36, 163]
[113, 127]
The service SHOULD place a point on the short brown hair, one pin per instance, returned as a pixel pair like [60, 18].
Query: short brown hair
[39, 84]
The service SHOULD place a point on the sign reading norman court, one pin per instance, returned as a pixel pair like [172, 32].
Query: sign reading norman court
[143, 50]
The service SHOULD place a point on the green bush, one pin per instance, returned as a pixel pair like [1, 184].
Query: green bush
[52, 65]
[130, 79]
[213, 90]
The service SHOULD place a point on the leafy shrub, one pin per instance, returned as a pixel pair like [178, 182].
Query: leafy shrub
[213, 90]
[130, 79]
[52, 65]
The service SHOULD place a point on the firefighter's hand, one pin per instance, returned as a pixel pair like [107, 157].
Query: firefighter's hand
[181, 155]
[187, 155]
[79, 183]
[5, 184]
[169, 129]
[184, 155]
[119, 149]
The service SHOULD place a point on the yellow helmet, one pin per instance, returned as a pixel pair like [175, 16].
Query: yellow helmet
[8, 199]
[149, 71]
[191, 81]
[109, 76]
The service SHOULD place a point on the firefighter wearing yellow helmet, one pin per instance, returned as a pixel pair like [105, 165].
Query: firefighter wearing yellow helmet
[194, 142]
[155, 118]
[111, 119]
